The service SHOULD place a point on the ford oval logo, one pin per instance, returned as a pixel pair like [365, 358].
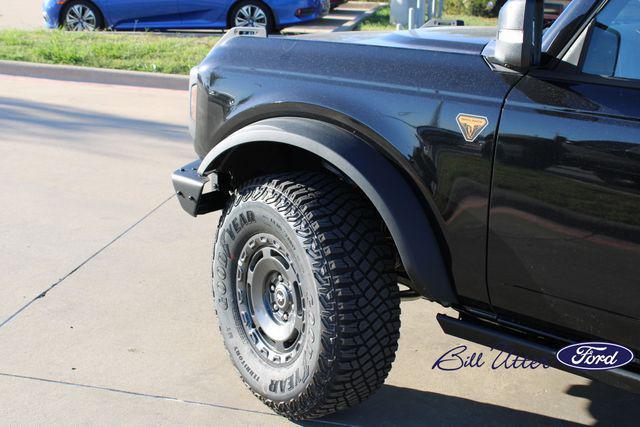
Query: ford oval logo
[594, 355]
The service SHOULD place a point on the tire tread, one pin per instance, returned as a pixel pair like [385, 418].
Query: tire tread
[353, 262]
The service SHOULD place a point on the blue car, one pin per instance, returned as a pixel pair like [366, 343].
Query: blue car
[88, 15]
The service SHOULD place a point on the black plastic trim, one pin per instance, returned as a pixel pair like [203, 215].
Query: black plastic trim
[189, 186]
[384, 185]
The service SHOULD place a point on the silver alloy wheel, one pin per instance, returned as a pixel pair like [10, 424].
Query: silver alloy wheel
[80, 18]
[270, 299]
[250, 16]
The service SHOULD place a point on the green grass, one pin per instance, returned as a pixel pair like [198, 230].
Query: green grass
[380, 21]
[137, 52]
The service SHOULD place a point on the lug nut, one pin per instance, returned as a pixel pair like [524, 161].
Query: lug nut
[280, 278]
[275, 307]
[285, 316]
[272, 288]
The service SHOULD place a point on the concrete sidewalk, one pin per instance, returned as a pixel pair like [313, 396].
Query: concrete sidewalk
[345, 17]
[105, 307]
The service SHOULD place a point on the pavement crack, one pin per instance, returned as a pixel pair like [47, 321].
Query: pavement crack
[163, 397]
[83, 263]
[131, 393]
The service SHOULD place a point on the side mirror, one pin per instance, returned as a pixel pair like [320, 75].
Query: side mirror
[519, 38]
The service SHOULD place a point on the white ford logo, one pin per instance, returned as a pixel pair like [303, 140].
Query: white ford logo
[594, 355]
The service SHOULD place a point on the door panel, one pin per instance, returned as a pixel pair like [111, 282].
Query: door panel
[203, 13]
[129, 14]
[564, 231]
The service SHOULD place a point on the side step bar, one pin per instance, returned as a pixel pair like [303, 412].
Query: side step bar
[501, 338]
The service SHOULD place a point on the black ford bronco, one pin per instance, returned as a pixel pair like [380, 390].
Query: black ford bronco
[496, 174]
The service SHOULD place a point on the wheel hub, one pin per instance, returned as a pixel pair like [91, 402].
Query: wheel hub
[282, 297]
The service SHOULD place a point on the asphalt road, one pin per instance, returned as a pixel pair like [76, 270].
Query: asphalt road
[105, 311]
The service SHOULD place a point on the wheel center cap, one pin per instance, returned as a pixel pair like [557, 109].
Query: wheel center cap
[282, 297]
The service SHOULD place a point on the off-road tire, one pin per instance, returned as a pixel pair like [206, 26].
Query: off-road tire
[338, 245]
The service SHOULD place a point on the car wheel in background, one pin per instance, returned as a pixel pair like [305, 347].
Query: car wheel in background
[251, 13]
[79, 15]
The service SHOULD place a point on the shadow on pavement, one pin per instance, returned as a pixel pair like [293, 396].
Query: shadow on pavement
[608, 405]
[40, 119]
[407, 407]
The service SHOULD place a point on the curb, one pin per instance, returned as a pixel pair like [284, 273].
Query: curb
[94, 75]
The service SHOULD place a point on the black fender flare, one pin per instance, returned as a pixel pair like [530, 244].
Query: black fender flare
[388, 190]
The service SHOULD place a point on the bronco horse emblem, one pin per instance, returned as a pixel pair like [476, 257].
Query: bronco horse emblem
[471, 125]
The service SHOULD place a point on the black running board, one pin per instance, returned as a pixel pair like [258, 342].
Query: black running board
[504, 339]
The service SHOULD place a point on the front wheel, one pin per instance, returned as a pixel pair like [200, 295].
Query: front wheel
[252, 13]
[80, 15]
[306, 294]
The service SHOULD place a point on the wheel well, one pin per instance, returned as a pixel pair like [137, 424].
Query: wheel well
[63, 10]
[252, 160]
[266, 6]
[255, 159]
[408, 216]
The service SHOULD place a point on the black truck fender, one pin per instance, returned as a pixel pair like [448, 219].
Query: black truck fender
[383, 184]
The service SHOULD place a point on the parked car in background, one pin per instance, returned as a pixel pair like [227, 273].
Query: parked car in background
[89, 15]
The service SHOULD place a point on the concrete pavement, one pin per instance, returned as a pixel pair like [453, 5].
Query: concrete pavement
[126, 333]
[21, 14]
[345, 17]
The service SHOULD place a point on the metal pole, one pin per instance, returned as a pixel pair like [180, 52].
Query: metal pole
[412, 13]
[419, 14]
